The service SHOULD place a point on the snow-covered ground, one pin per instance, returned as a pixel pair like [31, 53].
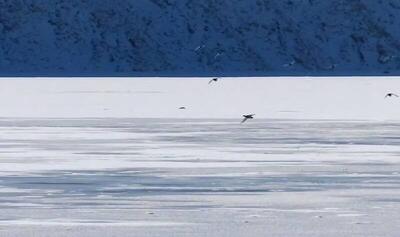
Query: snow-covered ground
[277, 98]
[116, 157]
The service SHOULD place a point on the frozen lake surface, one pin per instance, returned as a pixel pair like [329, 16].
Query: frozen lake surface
[198, 177]
[79, 158]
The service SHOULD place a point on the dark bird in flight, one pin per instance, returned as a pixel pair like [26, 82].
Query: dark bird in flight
[391, 95]
[247, 116]
[290, 64]
[183, 107]
[213, 80]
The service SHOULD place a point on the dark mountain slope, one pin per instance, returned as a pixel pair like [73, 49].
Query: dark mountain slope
[199, 37]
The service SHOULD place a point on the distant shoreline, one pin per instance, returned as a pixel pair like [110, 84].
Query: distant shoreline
[200, 74]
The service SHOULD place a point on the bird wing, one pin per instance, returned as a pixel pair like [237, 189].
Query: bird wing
[244, 120]
[395, 95]
[210, 81]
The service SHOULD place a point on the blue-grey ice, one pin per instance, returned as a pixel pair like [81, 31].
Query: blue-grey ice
[78, 171]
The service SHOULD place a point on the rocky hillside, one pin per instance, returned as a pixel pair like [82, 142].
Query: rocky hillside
[199, 37]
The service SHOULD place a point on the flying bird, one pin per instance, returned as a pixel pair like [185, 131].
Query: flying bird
[217, 55]
[391, 95]
[199, 47]
[290, 64]
[183, 107]
[247, 116]
[213, 80]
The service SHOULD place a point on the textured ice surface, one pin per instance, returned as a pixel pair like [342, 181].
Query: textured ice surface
[80, 158]
[198, 177]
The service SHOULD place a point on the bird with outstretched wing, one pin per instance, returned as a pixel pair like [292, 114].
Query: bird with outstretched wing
[247, 116]
[391, 95]
[213, 80]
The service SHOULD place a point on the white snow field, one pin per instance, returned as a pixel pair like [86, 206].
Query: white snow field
[116, 157]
